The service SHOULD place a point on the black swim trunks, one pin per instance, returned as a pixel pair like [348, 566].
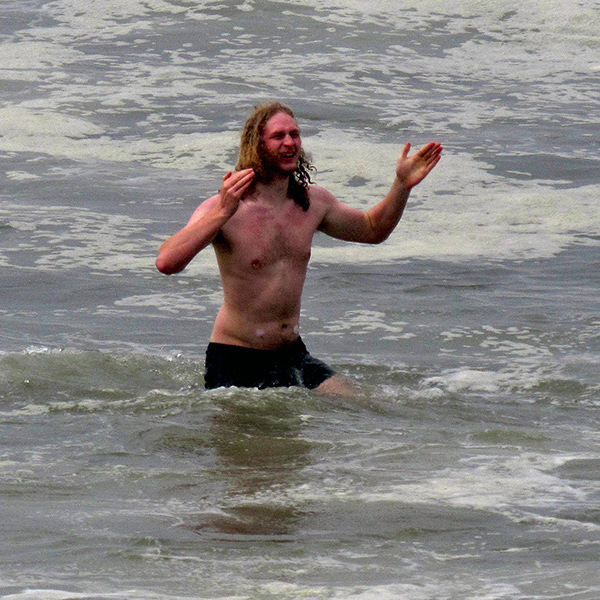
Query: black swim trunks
[228, 365]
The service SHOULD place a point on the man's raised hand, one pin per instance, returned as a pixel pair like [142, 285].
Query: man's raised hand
[234, 186]
[411, 170]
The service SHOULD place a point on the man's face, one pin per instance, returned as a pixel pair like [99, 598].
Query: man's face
[282, 143]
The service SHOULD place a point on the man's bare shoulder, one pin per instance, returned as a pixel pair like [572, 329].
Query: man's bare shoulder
[320, 197]
[204, 207]
[319, 193]
[322, 202]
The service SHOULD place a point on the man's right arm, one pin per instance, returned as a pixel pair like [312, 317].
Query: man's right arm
[204, 226]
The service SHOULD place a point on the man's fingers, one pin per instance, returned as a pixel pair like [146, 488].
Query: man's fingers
[236, 183]
[245, 178]
[234, 178]
[428, 152]
[430, 149]
[434, 161]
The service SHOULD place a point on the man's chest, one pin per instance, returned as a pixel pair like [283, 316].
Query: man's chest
[263, 237]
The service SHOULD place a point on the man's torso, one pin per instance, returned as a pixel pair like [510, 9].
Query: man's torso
[263, 253]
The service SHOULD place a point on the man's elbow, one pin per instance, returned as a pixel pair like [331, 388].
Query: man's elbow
[166, 267]
[376, 237]
[375, 232]
[370, 237]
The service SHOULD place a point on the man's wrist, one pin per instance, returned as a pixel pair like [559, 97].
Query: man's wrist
[401, 183]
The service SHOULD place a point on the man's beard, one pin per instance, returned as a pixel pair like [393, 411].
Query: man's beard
[271, 169]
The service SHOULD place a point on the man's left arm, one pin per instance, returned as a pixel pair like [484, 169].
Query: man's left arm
[375, 225]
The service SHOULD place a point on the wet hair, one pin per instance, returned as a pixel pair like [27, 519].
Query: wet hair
[252, 155]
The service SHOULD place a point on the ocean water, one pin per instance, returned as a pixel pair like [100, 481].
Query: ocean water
[472, 469]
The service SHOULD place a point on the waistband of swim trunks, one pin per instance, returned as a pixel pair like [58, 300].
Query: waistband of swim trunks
[296, 346]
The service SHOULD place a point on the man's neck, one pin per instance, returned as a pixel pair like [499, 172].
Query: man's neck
[276, 190]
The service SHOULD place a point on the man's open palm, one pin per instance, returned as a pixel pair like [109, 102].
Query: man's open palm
[411, 170]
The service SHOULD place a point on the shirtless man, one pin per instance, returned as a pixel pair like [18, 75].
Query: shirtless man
[261, 225]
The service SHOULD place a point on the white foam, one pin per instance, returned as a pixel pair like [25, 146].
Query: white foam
[579, 20]
[471, 380]
[171, 303]
[530, 374]
[127, 594]
[516, 487]
[67, 237]
[23, 123]
[21, 176]
[106, 20]
[395, 591]
[363, 322]
[519, 487]
[28, 60]
[29, 127]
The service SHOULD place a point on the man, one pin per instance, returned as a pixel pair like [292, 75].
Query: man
[261, 225]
